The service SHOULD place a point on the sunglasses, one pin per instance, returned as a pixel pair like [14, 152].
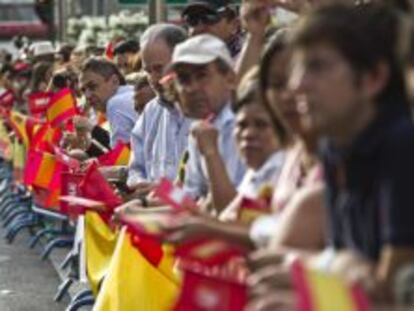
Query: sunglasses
[204, 19]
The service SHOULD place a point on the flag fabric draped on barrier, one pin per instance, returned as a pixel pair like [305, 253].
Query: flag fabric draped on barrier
[319, 291]
[100, 241]
[134, 284]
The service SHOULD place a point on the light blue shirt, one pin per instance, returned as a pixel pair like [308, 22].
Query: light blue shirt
[158, 142]
[121, 114]
[196, 178]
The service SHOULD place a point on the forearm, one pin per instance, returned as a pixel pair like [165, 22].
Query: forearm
[391, 261]
[221, 187]
[250, 55]
[235, 233]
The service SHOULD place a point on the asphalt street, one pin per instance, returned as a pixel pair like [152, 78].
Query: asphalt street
[26, 282]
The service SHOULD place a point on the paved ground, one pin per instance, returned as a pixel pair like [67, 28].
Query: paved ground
[26, 282]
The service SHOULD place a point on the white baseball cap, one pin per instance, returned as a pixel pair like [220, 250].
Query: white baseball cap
[200, 50]
[42, 48]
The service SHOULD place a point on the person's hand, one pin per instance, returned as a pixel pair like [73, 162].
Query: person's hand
[206, 136]
[274, 276]
[127, 209]
[273, 301]
[255, 17]
[185, 228]
[142, 188]
[264, 257]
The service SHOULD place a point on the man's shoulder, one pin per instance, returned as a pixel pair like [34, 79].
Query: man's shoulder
[123, 96]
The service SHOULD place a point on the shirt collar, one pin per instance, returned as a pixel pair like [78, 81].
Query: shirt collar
[273, 162]
[224, 117]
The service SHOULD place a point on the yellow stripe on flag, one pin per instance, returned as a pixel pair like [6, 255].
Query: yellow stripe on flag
[19, 122]
[123, 158]
[329, 291]
[46, 170]
[100, 242]
[134, 284]
[62, 105]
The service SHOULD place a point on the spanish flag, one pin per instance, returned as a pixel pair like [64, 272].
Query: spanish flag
[18, 123]
[45, 136]
[117, 156]
[319, 291]
[38, 103]
[62, 107]
[7, 98]
[100, 242]
[134, 284]
[43, 170]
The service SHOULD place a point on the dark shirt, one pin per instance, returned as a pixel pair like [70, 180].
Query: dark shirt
[370, 188]
[102, 136]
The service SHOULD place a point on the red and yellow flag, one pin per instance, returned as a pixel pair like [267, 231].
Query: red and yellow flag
[43, 170]
[117, 156]
[46, 137]
[62, 107]
[18, 123]
[132, 283]
[319, 291]
[39, 102]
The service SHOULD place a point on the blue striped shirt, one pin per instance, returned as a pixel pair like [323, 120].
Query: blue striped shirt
[158, 141]
[121, 114]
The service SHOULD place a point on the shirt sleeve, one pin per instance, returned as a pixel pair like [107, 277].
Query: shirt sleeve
[120, 121]
[136, 170]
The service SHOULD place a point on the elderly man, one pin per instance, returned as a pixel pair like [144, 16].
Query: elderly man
[160, 135]
[205, 82]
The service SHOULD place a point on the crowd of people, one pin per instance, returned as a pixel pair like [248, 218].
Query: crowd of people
[292, 141]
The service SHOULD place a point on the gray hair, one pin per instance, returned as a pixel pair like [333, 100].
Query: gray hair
[171, 34]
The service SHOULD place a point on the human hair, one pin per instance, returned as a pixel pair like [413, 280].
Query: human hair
[127, 46]
[103, 67]
[39, 73]
[365, 35]
[250, 93]
[223, 67]
[171, 34]
[278, 43]
[137, 79]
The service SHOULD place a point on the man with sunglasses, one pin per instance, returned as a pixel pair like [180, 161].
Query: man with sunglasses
[215, 17]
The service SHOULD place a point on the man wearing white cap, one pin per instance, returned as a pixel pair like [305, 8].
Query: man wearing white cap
[43, 51]
[205, 82]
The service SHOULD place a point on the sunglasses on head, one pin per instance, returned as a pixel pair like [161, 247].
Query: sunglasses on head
[193, 20]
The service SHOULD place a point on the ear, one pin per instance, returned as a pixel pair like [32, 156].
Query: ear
[115, 80]
[376, 80]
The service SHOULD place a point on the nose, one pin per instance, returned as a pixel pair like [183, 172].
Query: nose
[249, 132]
[192, 85]
[299, 80]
